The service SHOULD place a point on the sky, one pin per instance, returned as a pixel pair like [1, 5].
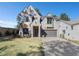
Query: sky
[10, 10]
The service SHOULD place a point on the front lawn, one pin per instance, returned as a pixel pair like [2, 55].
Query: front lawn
[75, 41]
[21, 47]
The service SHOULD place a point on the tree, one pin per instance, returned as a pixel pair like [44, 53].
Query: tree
[0, 34]
[54, 16]
[38, 11]
[64, 16]
[7, 33]
[19, 18]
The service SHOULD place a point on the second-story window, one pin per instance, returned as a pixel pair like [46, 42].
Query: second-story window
[64, 31]
[49, 20]
[33, 18]
[27, 19]
[72, 27]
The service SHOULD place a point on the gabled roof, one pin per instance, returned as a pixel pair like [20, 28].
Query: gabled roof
[71, 22]
[6, 28]
[36, 9]
[42, 18]
[25, 10]
[49, 15]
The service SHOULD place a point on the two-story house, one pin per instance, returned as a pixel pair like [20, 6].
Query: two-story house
[36, 25]
[33, 24]
[68, 29]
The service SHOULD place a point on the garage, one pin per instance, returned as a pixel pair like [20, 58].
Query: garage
[51, 33]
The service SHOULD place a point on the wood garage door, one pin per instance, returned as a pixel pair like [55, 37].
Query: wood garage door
[51, 33]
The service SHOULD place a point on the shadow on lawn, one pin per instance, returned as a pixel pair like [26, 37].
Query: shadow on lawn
[33, 53]
[8, 38]
[5, 47]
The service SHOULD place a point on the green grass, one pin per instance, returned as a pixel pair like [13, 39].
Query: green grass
[75, 41]
[21, 46]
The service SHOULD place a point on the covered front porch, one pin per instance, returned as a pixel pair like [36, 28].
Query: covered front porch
[35, 31]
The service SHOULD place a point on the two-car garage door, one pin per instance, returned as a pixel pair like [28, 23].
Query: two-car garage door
[51, 33]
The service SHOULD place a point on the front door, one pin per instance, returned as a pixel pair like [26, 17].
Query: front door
[35, 31]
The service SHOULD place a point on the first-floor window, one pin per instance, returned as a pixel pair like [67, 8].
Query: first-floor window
[25, 30]
[68, 34]
[33, 18]
[64, 31]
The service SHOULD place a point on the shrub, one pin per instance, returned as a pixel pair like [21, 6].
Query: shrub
[7, 33]
[61, 35]
[0, 34]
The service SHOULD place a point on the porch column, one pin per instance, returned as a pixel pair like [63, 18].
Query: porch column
[39, 32]
[31, 31]
[21, 32]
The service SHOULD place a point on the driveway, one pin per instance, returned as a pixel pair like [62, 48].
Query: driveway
[48, 39]
[54, 46]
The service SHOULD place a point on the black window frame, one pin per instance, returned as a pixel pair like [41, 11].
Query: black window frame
[49, 20]
[27, 19]
[25, 31]
[72, 27]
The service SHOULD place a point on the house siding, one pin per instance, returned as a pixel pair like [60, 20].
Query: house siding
[64, 27]
[56, 28]
[75, 32]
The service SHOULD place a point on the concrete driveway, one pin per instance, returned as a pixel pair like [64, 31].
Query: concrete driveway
[54, 46]
[47, 39]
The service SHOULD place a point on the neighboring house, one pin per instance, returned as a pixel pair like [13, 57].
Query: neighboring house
[32, 23]
[75, 31]
[68, 29]
[6, 31]
[64, 29]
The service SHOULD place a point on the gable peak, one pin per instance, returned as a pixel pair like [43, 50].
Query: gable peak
[49, 14]
[30, 5]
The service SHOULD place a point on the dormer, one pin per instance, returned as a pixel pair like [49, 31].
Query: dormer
[49, 15]
[49, 18]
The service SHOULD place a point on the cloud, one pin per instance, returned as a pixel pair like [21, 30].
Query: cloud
[10, 24]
